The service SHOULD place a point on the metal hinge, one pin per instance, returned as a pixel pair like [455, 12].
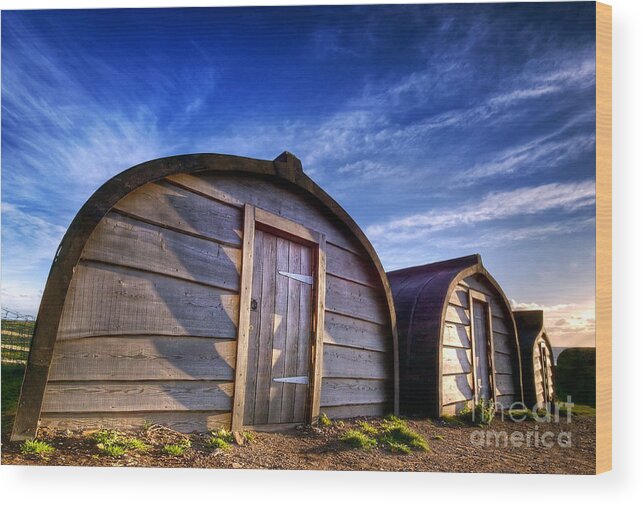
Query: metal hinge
[301, 380]
[299, 277]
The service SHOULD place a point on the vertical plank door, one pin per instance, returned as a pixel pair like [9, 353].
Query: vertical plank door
[480, 327]
[546, 375]
[280, 331]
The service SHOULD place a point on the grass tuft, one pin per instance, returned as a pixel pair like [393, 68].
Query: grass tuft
[35, 447]
[324, 421]
[396, 447]
[367, 428]
[221, 439]
[398, 432]
[176, 450]
[114, 444]
[357, 439]
[111, 450]
[482, 414]
[577, 409]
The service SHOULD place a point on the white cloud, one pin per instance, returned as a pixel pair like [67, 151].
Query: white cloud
[567, 325]
[493, 206]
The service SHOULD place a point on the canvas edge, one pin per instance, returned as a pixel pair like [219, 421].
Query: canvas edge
[603, 238]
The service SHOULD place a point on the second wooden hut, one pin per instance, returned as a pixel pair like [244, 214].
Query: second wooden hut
[457, 338]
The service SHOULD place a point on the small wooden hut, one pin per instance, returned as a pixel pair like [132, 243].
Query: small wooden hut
[457, 338]
[537, 359]
[205, 291]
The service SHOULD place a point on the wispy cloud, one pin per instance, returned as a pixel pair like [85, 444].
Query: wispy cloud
[493, 206]
[421, 120]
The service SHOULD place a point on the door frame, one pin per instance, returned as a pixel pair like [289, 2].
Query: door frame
[475, 296]
[253, 218]
[544, 371]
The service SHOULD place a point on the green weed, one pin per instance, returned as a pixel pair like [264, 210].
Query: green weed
[398, 432]
[324, 421]
[220, 439]
[35, 447]
[357, 439]
[367, 428]
[396, 447]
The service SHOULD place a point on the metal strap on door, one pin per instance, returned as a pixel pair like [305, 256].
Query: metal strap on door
[299, 277]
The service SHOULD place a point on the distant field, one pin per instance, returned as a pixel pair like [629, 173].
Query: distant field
[12, 375]
[16, 340]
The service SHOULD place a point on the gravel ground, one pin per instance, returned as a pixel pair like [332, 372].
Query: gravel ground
[453, 448]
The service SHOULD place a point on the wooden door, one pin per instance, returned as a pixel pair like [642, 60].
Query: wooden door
[481, 336]
[279, 339]
[546, 374]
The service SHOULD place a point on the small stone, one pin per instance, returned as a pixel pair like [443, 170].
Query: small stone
[236, 465]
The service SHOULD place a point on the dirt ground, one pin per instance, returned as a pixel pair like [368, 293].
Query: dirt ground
[453, 448]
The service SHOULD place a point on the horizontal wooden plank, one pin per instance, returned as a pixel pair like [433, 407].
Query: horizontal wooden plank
[181, 421]
[503, 343]
[502, 325]
[459, 297]
[339, 392]
[456, 388]
[352, 299]
[455, 408]
[343, 362]
[196, 184]
[505, 384]
[479, 284]
[355, 410]
[507, 402]
[348, 265]
[287, 226]
[498, 308]
[99, 396]
[292, 203]
[456, 361]
[108, 300]
[174, 207]
[126, 241]
[456, 334]
[349, 331]
[504, 363]
[456, 314]
[143, 358]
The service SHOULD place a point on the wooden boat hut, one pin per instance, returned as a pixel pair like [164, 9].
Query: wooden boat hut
[205, 291]
[457, 338]
[537, 359]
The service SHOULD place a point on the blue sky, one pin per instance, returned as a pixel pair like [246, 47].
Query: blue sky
[444, 130]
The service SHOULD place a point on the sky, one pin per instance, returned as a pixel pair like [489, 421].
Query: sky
[444, 130]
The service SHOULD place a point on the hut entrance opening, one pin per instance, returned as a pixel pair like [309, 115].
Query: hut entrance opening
[279, 344]
[483, 366]
[545, 371]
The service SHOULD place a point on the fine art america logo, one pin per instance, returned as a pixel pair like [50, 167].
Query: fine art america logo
[538, 437]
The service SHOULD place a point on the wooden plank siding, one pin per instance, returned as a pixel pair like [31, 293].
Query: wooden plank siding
[108, 299]
[122, 396]
[457, 370]
[122, 240]
[144, 358]
[182, 421]
[150, 321]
